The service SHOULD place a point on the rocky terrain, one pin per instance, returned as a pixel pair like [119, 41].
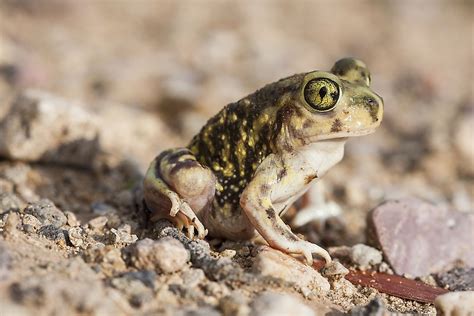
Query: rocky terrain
[90, 92]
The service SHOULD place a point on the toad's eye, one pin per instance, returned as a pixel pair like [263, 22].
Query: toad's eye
[321, 94]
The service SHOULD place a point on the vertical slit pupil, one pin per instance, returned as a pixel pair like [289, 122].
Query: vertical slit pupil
[322, 92]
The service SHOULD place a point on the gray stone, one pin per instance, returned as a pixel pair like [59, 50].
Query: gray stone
[418, 238]
[47, 213]
[9, 203]
[376, 307]
[455, 304]
[147, 277]
[277, 304]
[457, 279]
[53, 233]
[166, 255]
[43, 127]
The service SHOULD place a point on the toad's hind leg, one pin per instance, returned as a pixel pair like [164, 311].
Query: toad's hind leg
[178, 188]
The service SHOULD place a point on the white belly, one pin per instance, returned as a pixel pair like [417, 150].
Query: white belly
[310, 162]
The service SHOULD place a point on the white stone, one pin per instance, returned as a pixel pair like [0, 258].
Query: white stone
[273, 263]
[277, 304]
[166, 255]
[455, 304]
[365, 256]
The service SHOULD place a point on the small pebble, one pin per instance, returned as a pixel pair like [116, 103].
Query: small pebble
[72, 219]
[11, 223]
[193, 277]
[228, 253]
[30, 223]
[98, 223]
[365, 256]
[385, 268]
[122, 235]
[47, 213]
[114, 220]
[166, 255]
[244, 251]
[75, 236]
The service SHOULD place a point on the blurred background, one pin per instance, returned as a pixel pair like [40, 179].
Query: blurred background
[155, 71]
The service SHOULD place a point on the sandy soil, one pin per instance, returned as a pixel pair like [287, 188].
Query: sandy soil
[152, 73]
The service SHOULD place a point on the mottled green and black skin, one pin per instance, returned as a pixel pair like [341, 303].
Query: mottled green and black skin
[251, 160]
[235, 141]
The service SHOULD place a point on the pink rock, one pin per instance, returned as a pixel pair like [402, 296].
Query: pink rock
[418, 238]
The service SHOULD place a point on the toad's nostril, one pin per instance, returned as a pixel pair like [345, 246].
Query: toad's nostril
[371, 101]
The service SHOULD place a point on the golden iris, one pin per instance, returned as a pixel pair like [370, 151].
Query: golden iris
[321, 94]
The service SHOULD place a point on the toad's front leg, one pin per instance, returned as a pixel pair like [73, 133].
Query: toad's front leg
[258, 200]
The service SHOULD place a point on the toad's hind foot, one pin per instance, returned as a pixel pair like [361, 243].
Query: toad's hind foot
[178, 188]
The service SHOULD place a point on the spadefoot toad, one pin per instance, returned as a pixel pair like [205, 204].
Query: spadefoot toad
[253, 159]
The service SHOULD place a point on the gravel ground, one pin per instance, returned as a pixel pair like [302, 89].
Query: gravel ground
[114, 83]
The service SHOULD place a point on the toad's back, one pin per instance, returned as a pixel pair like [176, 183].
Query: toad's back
[236, 140]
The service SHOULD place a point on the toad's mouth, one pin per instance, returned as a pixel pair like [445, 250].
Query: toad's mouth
[345, 134]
